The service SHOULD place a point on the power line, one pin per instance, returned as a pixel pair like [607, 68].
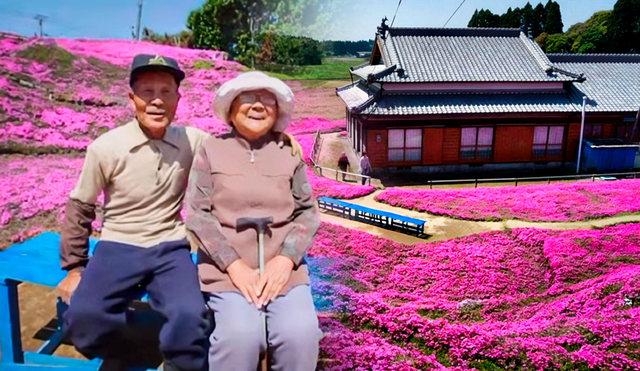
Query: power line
[454, 13]
[394, 14]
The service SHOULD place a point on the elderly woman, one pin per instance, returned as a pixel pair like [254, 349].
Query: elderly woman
[250, 172]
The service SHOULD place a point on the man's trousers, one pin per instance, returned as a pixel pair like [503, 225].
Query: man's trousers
[115, 276]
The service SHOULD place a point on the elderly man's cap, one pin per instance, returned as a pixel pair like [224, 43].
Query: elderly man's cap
[147, 62]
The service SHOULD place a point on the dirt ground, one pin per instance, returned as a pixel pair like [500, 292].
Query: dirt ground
[317, 98]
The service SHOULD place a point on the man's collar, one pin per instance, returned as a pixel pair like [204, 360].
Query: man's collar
[137, 137]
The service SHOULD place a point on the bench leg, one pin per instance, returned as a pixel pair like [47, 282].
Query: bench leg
[10, 342]
[51, 345]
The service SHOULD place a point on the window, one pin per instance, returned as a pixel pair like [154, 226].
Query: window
[405, 145]
[547, 141]
[593, 131]
[622, 131]
[476, 143]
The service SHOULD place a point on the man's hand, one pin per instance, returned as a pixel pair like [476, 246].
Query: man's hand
[68, 285]
[296, 148]
[276, 274]
[245, 279]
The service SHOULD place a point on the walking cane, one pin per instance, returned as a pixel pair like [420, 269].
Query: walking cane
[260, 225]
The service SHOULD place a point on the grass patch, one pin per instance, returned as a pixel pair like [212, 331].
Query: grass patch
[330, 69]
[50, 54]
[612, 289]
[201, 65]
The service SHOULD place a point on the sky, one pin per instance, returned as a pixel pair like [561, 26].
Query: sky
[116, 18]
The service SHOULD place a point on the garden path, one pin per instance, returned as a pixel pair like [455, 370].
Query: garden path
[440, 228]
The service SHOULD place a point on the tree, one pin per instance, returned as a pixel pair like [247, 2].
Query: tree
[537, 20]
[557, 43]
[553, 21]
[473, 22]
[591, 36]
[527, 15]
[541, 40]
[217, 23]
[511, 19]
[487, 19]
[624, 30]
[296, 50]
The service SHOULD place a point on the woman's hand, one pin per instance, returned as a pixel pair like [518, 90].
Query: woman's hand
[276, 274]
[245, 279]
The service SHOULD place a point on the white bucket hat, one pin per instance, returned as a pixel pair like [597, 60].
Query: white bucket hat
[255, 81]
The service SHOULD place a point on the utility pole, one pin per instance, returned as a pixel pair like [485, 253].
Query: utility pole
[40, 18]
[139, 18]
[584, 114]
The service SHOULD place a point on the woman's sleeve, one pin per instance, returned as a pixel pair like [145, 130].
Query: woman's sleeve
[305, 219]
[203, 225]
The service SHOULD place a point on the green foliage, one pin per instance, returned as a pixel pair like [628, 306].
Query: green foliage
[217, 23]
[182, 39]
[557, 43]
[511, 19]
[296, 50]
[624, 29]
[539, 19]
[553, 21]
[484, 18]
[542, 41]
[341, 48]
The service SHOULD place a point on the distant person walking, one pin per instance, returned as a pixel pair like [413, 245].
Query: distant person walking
[343, 163]
[365, 166]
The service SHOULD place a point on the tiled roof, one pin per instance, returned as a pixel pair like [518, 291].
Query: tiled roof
[464, 55]
[612, 81]
[355, 95]
[433, 104]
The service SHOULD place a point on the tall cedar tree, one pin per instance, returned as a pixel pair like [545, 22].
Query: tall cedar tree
[553, 22]
[473, 22]
[537, 20]
[511, 19]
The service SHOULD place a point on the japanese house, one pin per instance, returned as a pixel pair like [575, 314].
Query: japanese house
[460, 100]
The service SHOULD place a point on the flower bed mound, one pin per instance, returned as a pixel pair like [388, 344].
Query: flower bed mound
[522, 299]
[310, 125]
[326, 187]
[546, 202]
[62, 93]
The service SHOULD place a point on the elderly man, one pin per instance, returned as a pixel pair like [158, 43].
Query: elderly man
[142, 168]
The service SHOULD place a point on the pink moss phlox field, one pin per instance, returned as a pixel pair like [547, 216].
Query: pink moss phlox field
[327, 187]
[310, 125]
[522, 299]
[67, 106]
[545, 202]
[29, 186]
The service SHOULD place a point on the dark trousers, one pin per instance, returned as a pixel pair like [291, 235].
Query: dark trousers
[364, 180]
[115, 276]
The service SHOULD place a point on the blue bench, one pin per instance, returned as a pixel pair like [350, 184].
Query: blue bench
[34, 261]
[372, 216]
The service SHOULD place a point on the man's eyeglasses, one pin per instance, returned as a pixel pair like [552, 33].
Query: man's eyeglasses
[251, 98]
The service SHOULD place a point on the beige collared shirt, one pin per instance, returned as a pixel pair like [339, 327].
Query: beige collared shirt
[143, 179]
